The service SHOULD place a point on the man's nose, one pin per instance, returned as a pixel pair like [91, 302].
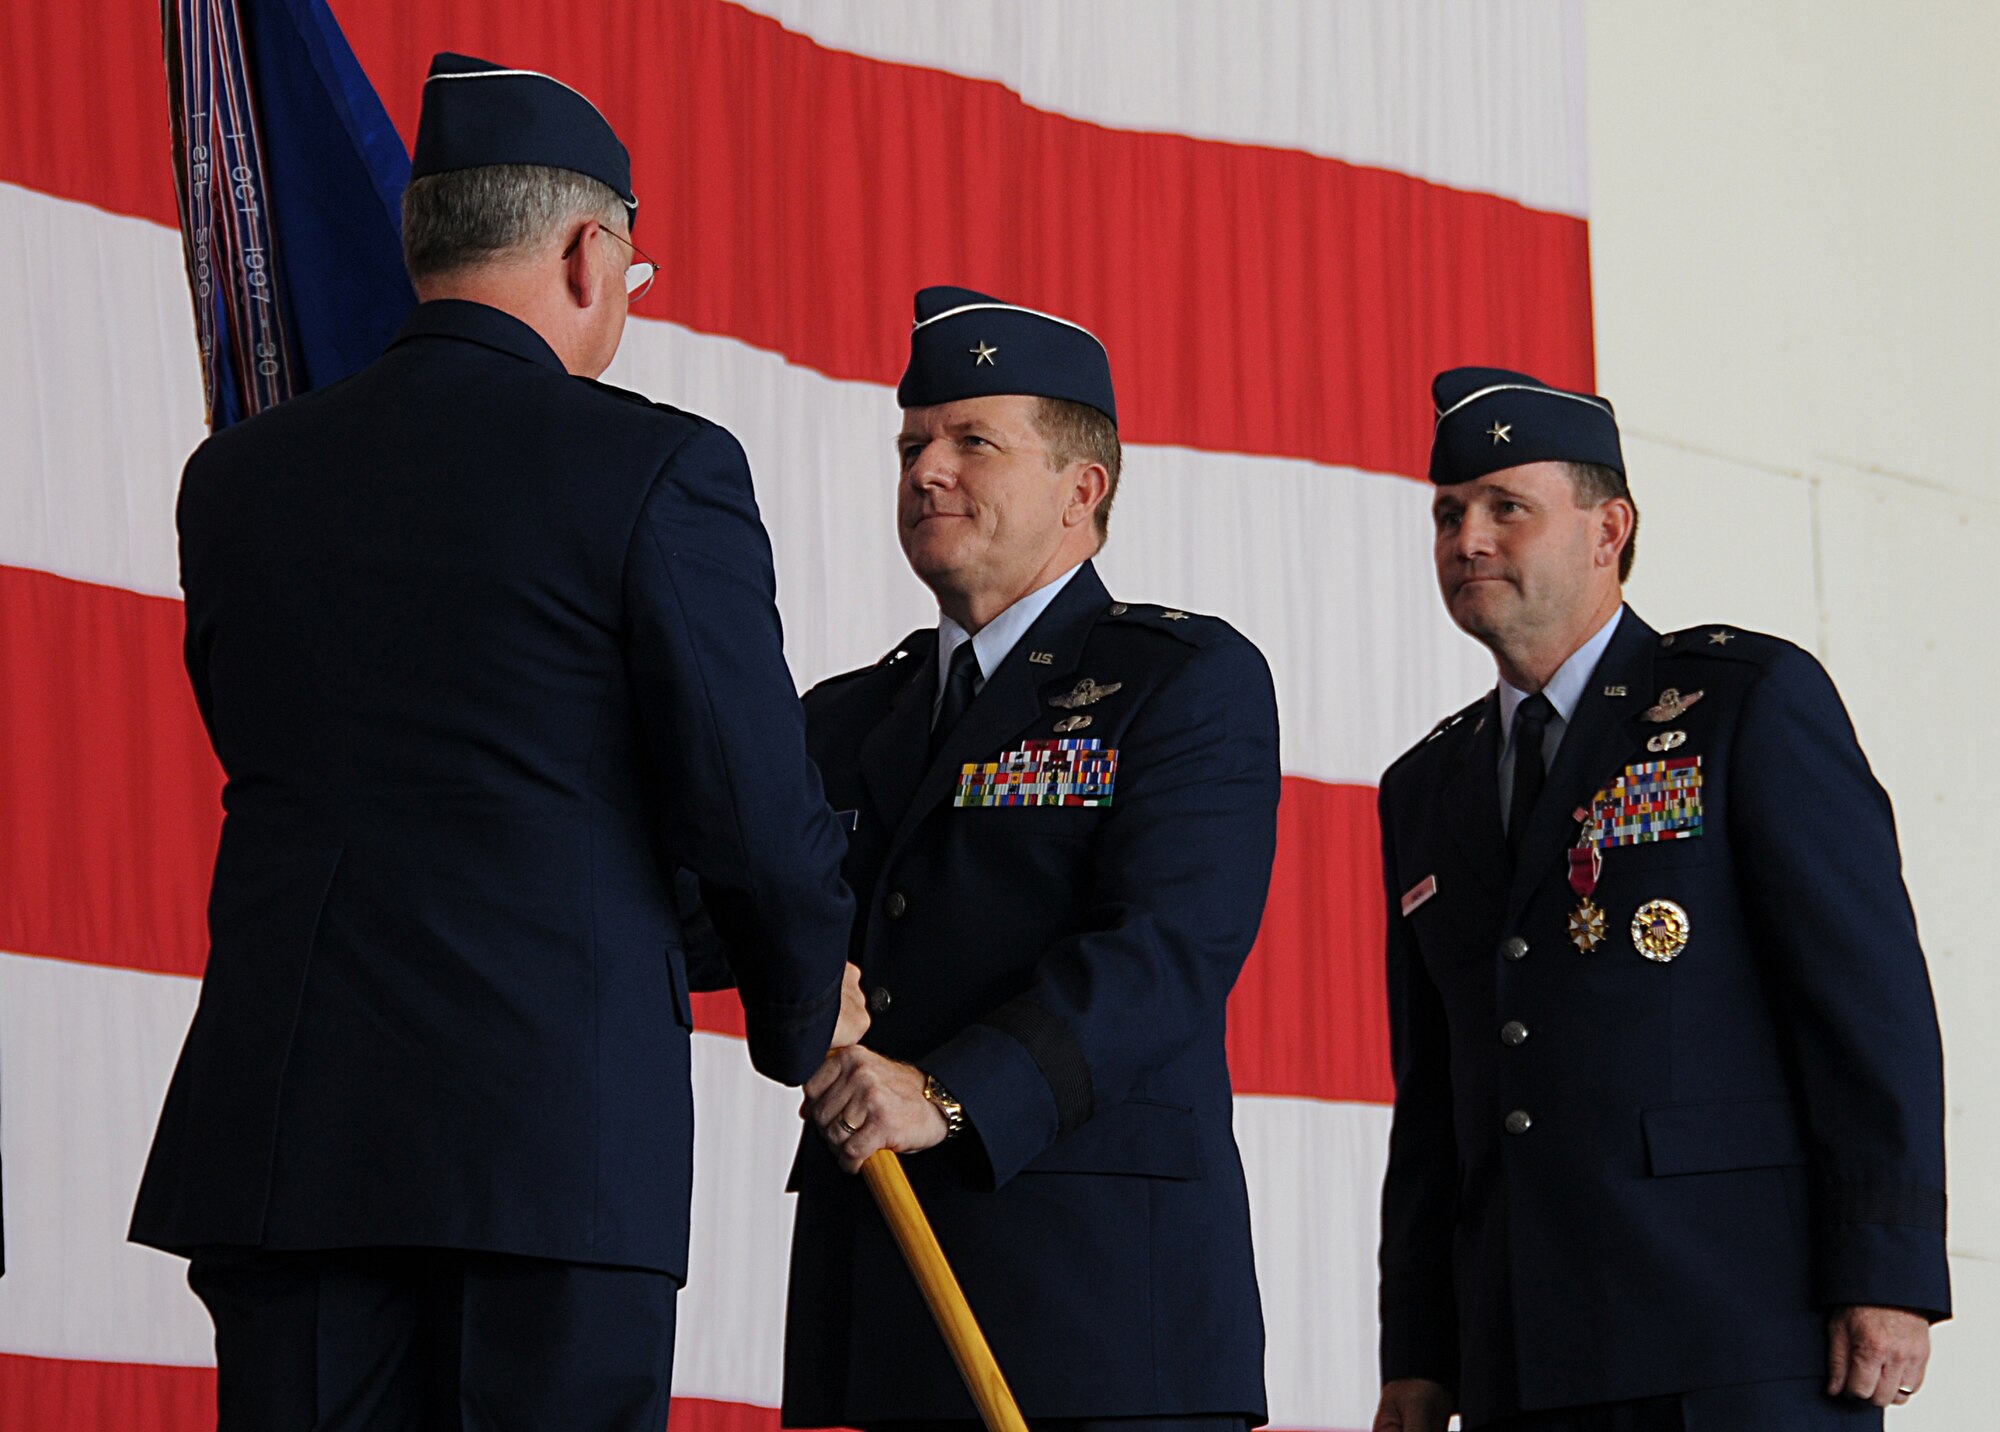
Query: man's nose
[931, 467]
[1473, 538]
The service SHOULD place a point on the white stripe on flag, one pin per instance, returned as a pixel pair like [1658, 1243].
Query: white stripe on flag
[85, 1052]
[100, 402]
[1477, 97]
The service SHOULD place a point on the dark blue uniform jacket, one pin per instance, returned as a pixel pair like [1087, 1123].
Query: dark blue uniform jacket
[1717, 1150]
[1063, 971]
[486, 651]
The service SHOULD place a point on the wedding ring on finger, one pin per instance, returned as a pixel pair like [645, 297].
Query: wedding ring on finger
[841, 1119]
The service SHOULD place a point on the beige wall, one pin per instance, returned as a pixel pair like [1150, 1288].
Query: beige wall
[1795, 246]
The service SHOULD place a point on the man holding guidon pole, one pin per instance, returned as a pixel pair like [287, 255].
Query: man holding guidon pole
[1061, 812]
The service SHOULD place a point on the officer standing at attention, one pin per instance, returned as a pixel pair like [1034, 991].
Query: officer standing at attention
[1061, 814]
[1668, 1143]
[487, 650]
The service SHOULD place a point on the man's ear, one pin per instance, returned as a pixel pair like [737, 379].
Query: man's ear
[581, 275]
[1615, 520]
[1087, 488]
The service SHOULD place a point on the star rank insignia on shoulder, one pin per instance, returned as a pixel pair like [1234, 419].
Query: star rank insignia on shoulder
[1451, 721]
[1722, 641]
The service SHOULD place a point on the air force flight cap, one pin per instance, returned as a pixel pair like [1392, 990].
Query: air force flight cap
[478, 113]
[971, 345]
[1491, 418]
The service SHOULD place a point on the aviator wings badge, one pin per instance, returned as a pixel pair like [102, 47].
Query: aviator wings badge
[1085, 693]
[1672, 705]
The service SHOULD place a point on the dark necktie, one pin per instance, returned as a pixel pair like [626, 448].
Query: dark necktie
[1531, 723]
[958, 693]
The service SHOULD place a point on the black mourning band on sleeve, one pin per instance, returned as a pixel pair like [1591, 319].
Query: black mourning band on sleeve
[1056, 1053]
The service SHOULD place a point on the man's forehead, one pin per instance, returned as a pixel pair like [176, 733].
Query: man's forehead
[1528, 477]
[1005, 410]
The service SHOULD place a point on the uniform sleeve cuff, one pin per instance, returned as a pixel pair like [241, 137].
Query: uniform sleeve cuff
[1886, 1265]
[1007, 1100]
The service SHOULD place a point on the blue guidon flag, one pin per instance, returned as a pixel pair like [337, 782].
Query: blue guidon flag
[290, 178]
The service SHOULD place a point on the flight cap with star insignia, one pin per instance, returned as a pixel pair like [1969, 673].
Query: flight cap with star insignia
[972, 345]
[477, 113]
[1489, 419]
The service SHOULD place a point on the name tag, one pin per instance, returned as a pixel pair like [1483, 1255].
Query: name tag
[1418, 893]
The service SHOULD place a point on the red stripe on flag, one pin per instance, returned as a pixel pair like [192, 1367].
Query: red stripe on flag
[76, 1396]
[113, 815]
[1253, 299]
[48, 1393]
[113, 798]
[1310, 1015]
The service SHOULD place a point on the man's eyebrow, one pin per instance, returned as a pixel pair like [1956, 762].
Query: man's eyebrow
[960, 428]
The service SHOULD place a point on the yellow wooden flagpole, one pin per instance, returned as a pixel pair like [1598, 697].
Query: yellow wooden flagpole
[883, 1172]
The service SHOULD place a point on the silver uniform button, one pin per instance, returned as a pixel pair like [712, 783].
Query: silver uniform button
[1514, 948]
[895, 905]
[1514, 1032]
[1518, 1122]
[879, 999]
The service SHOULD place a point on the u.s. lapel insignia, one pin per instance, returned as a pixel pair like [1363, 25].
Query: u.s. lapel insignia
[1085, 693]
[1071, 723]
[1666, 741]
[1660, 930]
[1041, 658]
[1672, 705]
[1614, 691]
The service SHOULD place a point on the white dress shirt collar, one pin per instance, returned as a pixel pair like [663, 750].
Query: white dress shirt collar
[1566, 687]
[997, 637]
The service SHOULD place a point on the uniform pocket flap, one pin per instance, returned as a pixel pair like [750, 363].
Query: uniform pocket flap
[1727, 1134]
[1136, 1137]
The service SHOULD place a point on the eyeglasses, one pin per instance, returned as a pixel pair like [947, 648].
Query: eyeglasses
[639, 274]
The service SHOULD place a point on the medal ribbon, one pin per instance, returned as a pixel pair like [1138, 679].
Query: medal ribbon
[1586, 860]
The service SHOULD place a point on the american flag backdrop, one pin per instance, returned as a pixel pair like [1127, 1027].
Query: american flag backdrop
[1282, 217]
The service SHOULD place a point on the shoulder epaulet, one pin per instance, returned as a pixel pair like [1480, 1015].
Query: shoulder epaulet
[1438, 730]
[1722, 642]
[1190, 627]
[901, 654]
[612, 390]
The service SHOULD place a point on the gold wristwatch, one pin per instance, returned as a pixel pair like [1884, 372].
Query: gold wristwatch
[953, 1111]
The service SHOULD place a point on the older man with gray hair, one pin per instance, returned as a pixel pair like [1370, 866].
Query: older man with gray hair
[488, 652]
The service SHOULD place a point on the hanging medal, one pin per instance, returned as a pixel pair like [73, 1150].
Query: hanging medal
[1586, 863]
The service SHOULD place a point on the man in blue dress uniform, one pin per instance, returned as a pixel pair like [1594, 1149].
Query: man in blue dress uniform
[488, 651]
[1668, 1142]
[1061, 814]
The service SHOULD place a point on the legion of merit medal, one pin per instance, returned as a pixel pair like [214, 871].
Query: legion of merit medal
[1586, 864]
[1660, 930]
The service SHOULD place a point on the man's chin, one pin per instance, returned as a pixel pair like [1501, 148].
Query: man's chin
[1480, 607]
[933, 560]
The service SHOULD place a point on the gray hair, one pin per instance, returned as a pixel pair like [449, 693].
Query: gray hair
[471, 216]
